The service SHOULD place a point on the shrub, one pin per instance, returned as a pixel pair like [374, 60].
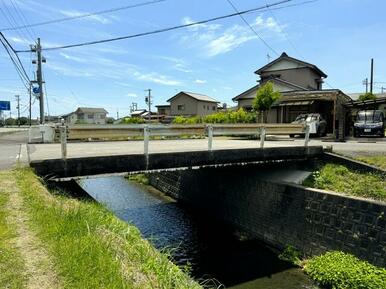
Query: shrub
[132, 120]
[239, 116]
[339, 270]
[291, 255]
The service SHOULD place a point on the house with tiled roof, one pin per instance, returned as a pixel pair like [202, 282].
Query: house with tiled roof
[86, 115]
[192, 104]
[300, 84]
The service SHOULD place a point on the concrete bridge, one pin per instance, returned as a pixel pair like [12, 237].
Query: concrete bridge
[59, 168]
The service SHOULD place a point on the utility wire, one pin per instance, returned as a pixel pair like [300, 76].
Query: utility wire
[8, 45]
[283, 33]
[7, 17]
[23, 19]
[251, 27]
[17, 63]
[82, 15]
[163, 29]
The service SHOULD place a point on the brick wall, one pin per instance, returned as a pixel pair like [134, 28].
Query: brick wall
[281, 214]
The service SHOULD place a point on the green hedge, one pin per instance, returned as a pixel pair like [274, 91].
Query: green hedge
[239, 116]
[339, 270]
[132, 120]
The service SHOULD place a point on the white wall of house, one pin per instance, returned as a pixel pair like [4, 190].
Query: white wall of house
[284, 64]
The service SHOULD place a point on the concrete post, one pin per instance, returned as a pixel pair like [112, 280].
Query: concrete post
[210, 138]
[262, 137]
[146, 135]
[307, 135]
[63, 141]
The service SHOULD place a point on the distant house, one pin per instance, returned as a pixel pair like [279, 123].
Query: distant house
[87, 115]
[300, 84]
[163, 109]
[192, 104]
[138, 113]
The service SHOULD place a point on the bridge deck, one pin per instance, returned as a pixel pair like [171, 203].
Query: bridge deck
[104, 158]
[110, 148]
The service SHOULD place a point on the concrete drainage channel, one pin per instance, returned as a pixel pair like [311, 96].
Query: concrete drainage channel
[279, 213]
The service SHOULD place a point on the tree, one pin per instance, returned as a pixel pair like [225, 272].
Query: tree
[367, 96]
[264, 99]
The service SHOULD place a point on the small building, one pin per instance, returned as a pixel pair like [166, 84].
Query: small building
[138, 113]
[86, 115]
[192, 104]
[300, 84]
[163, 110]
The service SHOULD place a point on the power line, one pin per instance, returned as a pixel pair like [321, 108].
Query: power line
[23, 19]
[163, 29]
[82, 15]
[19, 66]
[24, 78]
[252, 29]
[283, 33]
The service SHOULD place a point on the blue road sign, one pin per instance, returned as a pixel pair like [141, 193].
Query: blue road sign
[36, 89]
[5, 105]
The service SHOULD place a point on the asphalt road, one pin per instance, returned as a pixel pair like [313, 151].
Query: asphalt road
[12, 147]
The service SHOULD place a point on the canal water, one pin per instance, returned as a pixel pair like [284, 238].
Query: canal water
[212, 252]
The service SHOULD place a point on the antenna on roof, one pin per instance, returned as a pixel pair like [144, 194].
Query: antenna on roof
[268, 58]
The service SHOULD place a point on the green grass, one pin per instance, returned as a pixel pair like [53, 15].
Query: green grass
[378, 160]
[91, 247]
[340, 179]
[11, 263]
[339, 270]
[138, 178]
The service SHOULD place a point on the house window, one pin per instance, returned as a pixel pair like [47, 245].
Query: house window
[207, 107]
[181, 107]
[102, 116]
[213, 108]
[90, 116]
[81, 116]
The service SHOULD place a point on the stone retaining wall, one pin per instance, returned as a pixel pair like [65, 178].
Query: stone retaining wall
[280, 214]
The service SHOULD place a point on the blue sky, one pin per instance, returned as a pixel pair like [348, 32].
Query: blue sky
[217, 59]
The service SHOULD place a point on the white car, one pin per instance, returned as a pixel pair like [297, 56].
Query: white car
[318, 125]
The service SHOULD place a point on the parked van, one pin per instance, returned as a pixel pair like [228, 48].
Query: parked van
[369, 123]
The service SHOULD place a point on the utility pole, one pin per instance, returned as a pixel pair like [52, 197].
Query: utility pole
[18, 109]
[149, 102]
[382, 89]
[117, 113]
[366, 83]
[30, 103]
[38, 49]
[372, 76]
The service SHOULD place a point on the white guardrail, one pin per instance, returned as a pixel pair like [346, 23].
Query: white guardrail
[63, 133]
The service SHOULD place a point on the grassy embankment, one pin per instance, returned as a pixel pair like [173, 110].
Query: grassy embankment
[376, 160]
[337, 269]
[340, 179]
[86, 244]
[343, 271]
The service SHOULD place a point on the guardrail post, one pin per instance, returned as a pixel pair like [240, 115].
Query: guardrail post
[307, 135]
[210, 138]
[63, 141]
[262, 137]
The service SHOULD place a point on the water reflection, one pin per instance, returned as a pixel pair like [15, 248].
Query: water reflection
[210, 249]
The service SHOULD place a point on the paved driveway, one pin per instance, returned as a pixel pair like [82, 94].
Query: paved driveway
[12, 147]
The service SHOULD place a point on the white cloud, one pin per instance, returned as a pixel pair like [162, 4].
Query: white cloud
[74, 58]
[188, 20]
[95, 18]
[132, 94]
[156, 78]
[200, 81]
[214, 42]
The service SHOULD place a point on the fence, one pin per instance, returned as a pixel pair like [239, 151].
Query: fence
[146, 131]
